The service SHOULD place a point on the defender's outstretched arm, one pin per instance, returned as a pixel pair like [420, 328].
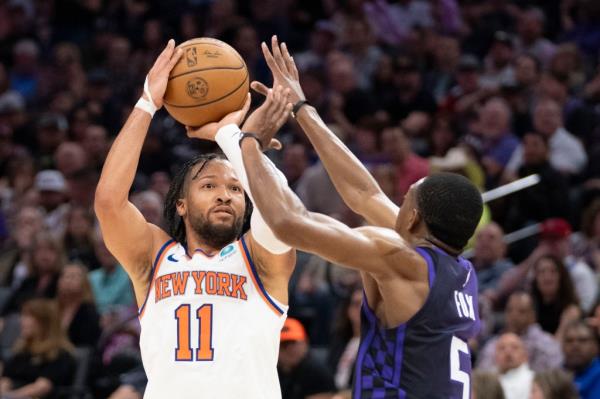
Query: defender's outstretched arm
[352, 180]
[368, 249]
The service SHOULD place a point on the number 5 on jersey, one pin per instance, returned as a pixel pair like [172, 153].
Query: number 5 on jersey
[205, 351]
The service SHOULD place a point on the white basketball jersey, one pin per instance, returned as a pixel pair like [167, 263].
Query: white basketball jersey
[209, 328]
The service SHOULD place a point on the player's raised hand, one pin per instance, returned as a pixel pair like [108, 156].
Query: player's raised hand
[158, 76]
[284, 70]
[209, 131]
[270, 116]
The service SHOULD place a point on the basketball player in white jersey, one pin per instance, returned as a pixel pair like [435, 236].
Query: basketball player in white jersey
[212, 302]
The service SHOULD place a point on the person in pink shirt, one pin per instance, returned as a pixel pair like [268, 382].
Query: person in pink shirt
[410, 167]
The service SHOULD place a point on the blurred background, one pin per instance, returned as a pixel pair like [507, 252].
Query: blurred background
[496, 90]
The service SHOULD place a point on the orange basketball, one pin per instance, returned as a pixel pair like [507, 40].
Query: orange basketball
[209, 81]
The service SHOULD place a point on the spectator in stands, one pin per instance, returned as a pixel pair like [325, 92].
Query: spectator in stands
[554, 241]
[586, 243]
[410, 167]
[530, 39]
[544, 200]
[361, 50]
[24, 77]
[410, 94]
[295, 162]
[578, 118]
[485, 385]
[348, 102]
[498, 62]
[553, 384]
[52, 188]
[466, 95]
[70, 157]
[51, 132]
[150, 204]
[580, 345]
[317, 192]
[489, 256]
[567, 155]
[344, 344]
[42, 360]
[159, 183]
[95, 144]
[301, 375]
[46, 261]
[554, 295]
[77, 310]
[14, 257]
[322, 41]
[78, 240]
[527, 73]
[511, 361]
[594, 319]
[110, 284]
[543, 349]
[497, 141]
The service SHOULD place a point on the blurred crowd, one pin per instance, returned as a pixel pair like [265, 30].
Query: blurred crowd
[496, 90]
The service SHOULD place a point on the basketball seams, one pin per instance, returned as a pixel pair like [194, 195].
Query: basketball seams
[212, 101]
[208, 69]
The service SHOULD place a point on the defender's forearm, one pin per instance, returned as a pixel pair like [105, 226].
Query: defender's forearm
[350, 178]
[123, 158]
[277, 203]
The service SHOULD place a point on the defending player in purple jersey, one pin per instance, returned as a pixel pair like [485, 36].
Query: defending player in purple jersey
[420, 303]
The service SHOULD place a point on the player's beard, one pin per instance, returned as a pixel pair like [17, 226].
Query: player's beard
[216, 235]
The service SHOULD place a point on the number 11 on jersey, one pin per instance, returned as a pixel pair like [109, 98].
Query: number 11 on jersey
[183, 351]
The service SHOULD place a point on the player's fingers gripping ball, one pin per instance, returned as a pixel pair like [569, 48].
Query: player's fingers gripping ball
[209, 81]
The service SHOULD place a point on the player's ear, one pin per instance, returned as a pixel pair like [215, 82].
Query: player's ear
[181, 206]
[414, 220]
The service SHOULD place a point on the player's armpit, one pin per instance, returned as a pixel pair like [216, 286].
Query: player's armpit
[376, 250]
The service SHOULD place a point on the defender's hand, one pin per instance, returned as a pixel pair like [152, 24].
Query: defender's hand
[158, 76]
[269, 117]
[284, 70]
[209, 131]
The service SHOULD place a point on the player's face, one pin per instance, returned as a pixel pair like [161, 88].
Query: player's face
[215, 203]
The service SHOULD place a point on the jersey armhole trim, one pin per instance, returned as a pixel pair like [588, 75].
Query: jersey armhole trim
[256, 278]
[157, 262]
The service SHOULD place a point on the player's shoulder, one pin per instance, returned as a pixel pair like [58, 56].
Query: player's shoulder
[161, 242]
[399, 253]
[384, 237]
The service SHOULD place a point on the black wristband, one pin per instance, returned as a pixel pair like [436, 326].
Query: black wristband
[297, 107]
[251, 135]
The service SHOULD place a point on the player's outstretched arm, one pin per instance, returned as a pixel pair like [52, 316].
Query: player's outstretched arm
[355, 184]
[125, 231]
[372, 249]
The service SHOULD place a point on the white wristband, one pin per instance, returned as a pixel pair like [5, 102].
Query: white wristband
[147, 105]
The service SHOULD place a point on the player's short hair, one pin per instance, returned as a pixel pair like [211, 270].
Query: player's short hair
[451, 207]
[177, 189]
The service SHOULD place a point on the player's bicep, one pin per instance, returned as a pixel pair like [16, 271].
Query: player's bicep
[338, 243]
[129, 237]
